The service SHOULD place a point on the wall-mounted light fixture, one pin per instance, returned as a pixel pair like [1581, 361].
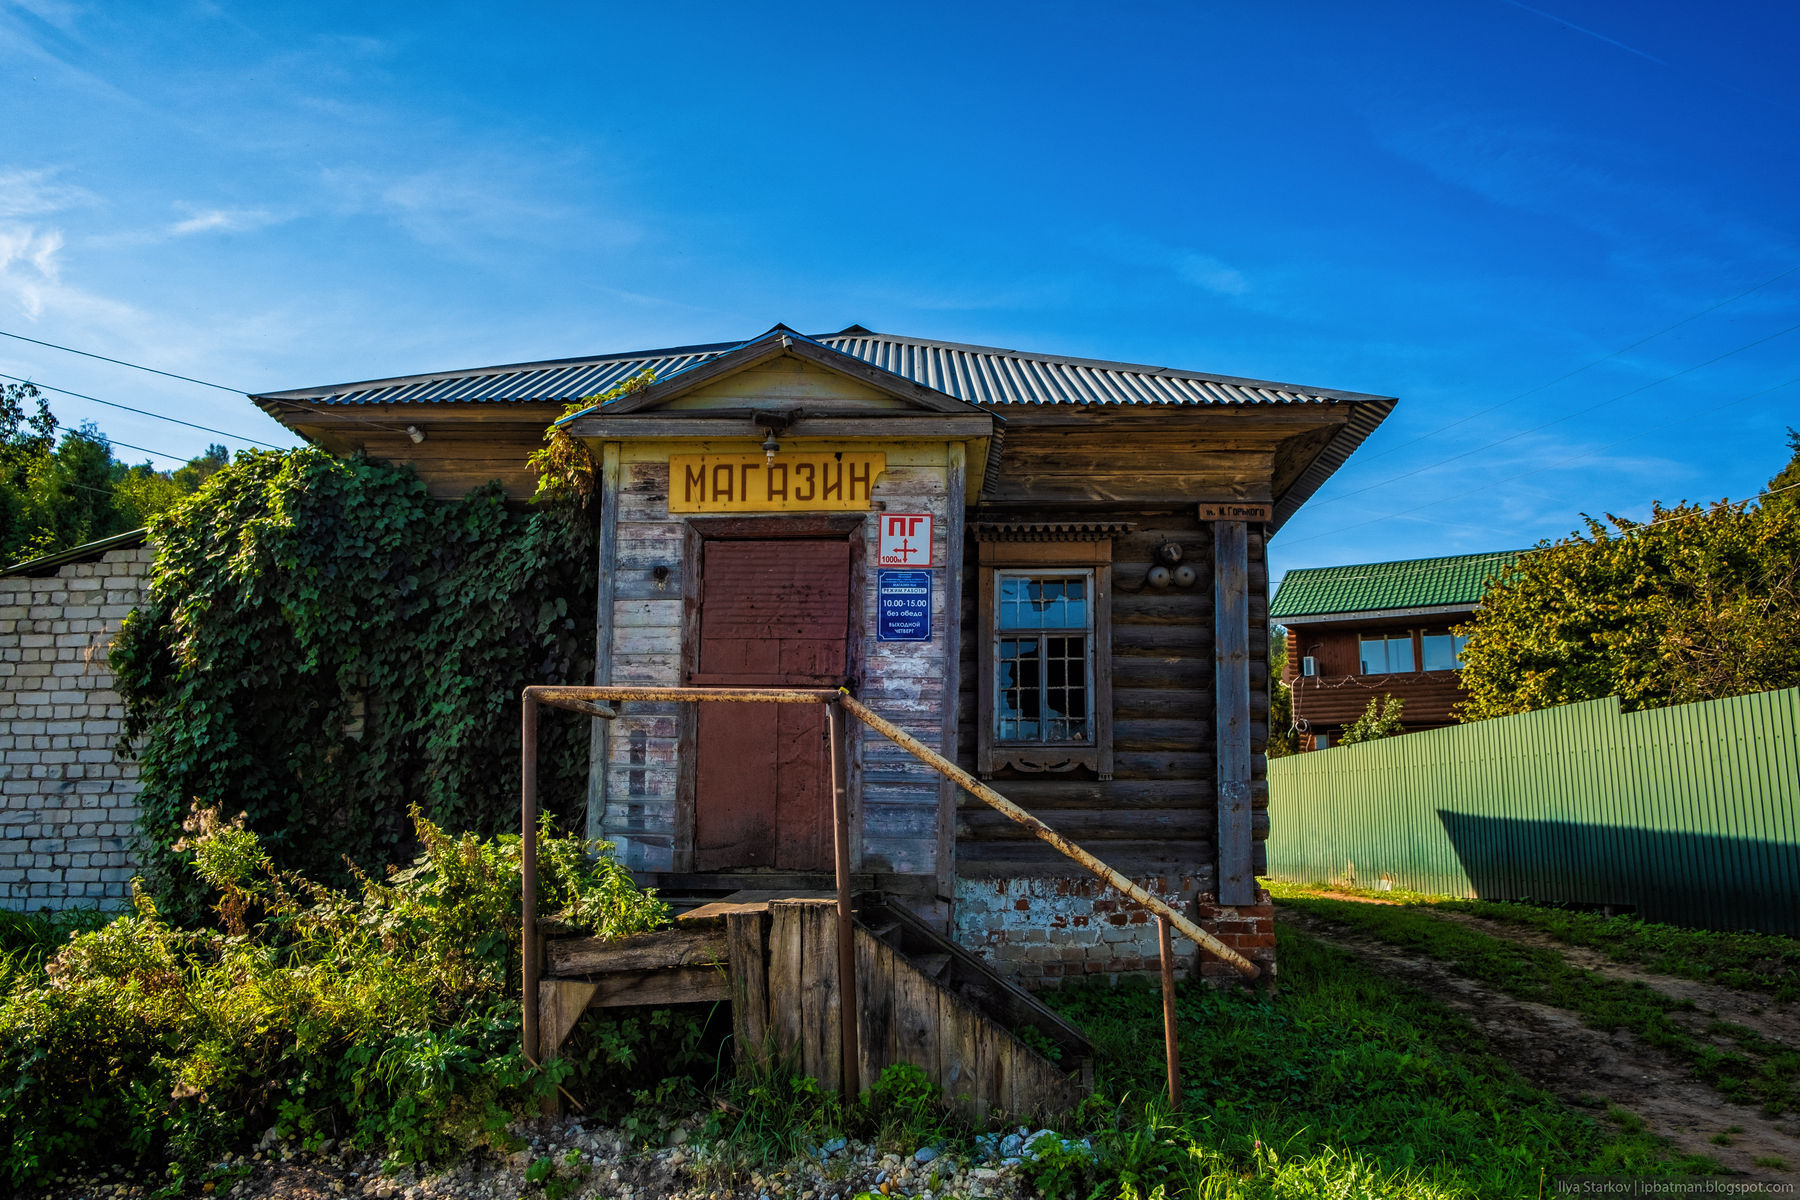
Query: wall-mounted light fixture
[774, 422]
[415, 433]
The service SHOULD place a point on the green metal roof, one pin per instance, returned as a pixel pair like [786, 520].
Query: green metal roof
[1372, 587]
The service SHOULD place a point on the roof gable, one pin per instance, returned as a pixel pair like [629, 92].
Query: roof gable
[782, 343]
[1459, 580]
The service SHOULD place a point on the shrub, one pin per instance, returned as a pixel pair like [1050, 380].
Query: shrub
[386, 1016]
[1380, 720]
[324, 645]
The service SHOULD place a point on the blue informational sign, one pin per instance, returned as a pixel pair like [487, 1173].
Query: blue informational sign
[903, 606]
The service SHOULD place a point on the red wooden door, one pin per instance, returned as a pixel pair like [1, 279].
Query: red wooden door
[773, 613]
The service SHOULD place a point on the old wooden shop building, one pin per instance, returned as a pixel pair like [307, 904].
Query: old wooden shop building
[1051, 569]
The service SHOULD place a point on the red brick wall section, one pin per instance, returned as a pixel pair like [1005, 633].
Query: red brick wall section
[1039, 931]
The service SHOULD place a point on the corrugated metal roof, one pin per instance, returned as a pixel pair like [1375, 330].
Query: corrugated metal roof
[978, 374]
[87, 551]
[1368, 587]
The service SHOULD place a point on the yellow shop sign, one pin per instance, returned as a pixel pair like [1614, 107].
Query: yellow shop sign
[823, 482]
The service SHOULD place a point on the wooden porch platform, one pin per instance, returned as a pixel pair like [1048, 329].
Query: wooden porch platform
[920, 999]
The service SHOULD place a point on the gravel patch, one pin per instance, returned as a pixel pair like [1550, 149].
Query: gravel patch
[574, 1160]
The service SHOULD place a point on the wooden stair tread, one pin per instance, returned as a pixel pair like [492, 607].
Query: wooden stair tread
[933, 965]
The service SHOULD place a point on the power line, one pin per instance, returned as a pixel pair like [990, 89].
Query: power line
[184, 460]
[121, 362]
[1563, 462]
[293, 404]
[1586, 366]
[1567, 416]
[142, 412]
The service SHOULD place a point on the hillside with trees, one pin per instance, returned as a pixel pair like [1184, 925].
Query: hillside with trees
[58, 492]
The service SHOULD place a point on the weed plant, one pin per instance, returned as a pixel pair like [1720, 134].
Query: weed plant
[386, 1017]
[27, 940]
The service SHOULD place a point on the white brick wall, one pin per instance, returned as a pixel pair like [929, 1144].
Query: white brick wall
[68, 803]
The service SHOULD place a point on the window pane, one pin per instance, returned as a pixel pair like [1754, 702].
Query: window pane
[1461, 641]
[1374, 656]
[1440, 652]
[1041, 658]
[1065, 689]
[1053, 602]
[1399, 653]
[1387, 655]
[1017, 689]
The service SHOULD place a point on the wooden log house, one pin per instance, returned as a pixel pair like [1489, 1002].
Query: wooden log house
[1051, 569]
[1366, 631]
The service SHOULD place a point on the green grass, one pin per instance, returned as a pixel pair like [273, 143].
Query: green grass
[1763, 962]
[27, 940]
[1752, 1069]
[1345, 1083]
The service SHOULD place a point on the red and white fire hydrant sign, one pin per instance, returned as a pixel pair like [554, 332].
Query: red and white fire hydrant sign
[905, 540]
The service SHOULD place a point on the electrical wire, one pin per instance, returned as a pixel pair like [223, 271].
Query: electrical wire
[144, 412]
[1563, 462]
[1566, 416]
[294, 404]
[1585, 366]
[121, 362]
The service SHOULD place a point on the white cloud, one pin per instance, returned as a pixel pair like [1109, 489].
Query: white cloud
[223, 220]
[456, 207]
[27, 264]
[36, 193]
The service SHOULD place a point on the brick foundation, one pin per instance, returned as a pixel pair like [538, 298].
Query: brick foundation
[1041, 930]
[68, 802]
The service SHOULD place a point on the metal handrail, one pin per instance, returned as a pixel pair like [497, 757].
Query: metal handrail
[598, 702]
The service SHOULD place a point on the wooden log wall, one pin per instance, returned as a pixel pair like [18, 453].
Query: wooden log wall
[1156, 815]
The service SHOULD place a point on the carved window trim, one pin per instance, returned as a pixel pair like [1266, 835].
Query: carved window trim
[1085, 547]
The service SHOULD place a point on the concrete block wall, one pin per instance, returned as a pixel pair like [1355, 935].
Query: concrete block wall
[1042, 930]
[68, 802]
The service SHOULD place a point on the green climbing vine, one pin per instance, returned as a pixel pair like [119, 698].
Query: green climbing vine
[323, 646]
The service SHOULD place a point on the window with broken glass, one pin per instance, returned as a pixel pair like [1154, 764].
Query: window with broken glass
[1043, 658]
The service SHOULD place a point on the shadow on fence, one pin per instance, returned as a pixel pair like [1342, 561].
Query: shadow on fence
[1728, 882]
[1688, 814]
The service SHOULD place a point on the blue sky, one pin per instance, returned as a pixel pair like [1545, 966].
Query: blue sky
[1458, 203]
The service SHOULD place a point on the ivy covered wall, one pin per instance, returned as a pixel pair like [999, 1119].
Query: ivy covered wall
[322, 646]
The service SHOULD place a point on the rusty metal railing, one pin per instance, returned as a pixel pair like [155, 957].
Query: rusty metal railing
[600, 702]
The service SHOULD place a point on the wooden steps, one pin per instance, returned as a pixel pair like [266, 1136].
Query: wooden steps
[921, 999]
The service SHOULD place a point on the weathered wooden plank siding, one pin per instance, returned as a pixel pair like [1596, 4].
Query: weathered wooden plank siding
[898, 797]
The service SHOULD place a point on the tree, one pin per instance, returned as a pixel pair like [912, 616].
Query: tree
[1283, 738]
[57, 494]
[1697, 603]
[1381, 719]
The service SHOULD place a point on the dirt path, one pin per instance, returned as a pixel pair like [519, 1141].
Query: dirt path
[1775, 1021]
[1551, 1047]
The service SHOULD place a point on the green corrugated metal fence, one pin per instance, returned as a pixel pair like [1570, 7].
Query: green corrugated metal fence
[1688, 814]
